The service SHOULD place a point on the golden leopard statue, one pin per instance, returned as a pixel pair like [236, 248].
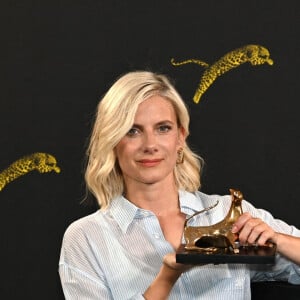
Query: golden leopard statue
[254, 54]
[41, 162]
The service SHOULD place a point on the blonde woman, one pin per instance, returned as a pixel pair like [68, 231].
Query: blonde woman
[146, 181]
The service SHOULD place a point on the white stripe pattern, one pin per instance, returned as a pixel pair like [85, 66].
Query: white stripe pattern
[116, 254]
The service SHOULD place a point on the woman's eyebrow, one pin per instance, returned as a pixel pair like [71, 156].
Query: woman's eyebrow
[135, 125]
[139, 126]
[163, 122]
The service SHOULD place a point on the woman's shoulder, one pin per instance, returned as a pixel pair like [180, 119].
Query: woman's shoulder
[84, 225]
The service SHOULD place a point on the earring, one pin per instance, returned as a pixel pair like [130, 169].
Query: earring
[180, 156]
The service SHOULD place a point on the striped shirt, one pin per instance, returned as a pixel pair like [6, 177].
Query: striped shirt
[116, 254]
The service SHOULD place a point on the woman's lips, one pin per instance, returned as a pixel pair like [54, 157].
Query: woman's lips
[149, 162]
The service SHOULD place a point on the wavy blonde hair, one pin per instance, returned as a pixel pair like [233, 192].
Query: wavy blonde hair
[115, 117]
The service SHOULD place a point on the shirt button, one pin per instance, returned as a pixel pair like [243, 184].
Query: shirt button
[156, 235]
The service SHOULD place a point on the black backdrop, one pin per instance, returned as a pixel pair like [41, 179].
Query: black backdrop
[59, 57]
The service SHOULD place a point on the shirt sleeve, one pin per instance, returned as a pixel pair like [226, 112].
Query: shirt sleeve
[77, 284]
[80, 273]
[283, 269]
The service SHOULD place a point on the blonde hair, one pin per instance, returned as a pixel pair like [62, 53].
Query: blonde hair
[115, 117]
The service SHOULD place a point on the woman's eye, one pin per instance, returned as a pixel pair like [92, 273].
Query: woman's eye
[164, 128]
[133, 132]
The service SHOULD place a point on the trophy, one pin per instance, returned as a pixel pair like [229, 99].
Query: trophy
[218, 244]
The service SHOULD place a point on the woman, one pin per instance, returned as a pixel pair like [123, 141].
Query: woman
[146, 181]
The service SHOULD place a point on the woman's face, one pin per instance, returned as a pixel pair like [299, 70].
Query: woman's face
[148, 153]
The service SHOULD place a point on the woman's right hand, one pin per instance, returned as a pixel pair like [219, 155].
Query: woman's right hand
[162, 285]
[170, 262]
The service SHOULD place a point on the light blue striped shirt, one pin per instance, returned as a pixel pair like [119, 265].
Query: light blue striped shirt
[116, 254]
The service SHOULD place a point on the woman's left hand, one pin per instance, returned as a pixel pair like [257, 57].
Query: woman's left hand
[253, 231]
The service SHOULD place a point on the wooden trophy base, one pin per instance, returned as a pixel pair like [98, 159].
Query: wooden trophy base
[246, 255]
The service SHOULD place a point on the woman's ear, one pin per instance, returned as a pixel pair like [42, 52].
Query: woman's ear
[181, 136]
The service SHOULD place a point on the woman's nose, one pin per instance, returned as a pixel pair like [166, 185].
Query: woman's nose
[150, 142]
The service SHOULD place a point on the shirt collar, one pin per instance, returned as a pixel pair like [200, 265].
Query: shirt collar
[124, 212]
[190, 202]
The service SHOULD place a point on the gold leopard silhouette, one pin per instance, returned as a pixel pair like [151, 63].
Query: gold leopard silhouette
[41, 162]
[254, 54]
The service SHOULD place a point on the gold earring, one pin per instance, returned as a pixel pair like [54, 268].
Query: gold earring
[180, 156]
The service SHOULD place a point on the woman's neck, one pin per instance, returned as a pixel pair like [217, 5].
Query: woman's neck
[158, 198]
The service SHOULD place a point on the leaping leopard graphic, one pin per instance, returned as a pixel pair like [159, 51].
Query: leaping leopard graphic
[41, 162]
[254, 54]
